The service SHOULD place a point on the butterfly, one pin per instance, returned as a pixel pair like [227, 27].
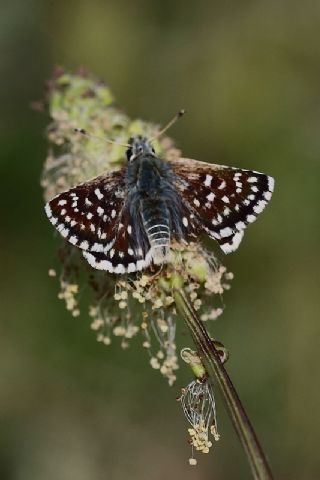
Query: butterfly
[125, 220]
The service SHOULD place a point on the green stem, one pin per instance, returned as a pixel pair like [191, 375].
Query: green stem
[211, 360]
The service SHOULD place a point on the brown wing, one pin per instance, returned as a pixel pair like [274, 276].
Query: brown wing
[88, 214]
[221, 201]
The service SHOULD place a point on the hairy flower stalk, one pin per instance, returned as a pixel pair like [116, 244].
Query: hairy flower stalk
[189, 284]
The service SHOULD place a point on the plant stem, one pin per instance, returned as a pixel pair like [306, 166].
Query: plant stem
[211, 360]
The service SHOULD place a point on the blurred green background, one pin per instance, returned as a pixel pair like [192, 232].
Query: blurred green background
[249, 75]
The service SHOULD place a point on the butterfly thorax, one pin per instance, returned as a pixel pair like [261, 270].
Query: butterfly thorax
[153, 203]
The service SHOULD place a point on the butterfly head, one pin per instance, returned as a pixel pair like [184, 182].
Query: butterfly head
[138, 146]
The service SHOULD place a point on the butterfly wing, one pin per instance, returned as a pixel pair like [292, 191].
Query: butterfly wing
[88, 214]
[94, 216]
[221, 201]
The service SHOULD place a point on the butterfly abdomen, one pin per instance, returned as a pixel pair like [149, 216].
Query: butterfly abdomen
[155, 217]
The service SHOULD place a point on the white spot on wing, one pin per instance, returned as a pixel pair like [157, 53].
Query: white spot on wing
[100, 211]
[131, 267]
[208, 180]
[259, 206]
[97, 247]
[251, 218]
[210, 197]
[140, 264]
[73, 240]
[64, 232]
[240, 225]
[234, 244]
[226, 211]
[271, 183]
[267, 195]
[98, 193]
[48, 210]
[226, 232]
[84, 245]
[60, 227]
[119, 269]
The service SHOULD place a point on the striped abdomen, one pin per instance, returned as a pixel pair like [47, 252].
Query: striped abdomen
[155, 216]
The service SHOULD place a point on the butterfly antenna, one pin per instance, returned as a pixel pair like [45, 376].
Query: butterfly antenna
[90, 135]
[169, 124]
